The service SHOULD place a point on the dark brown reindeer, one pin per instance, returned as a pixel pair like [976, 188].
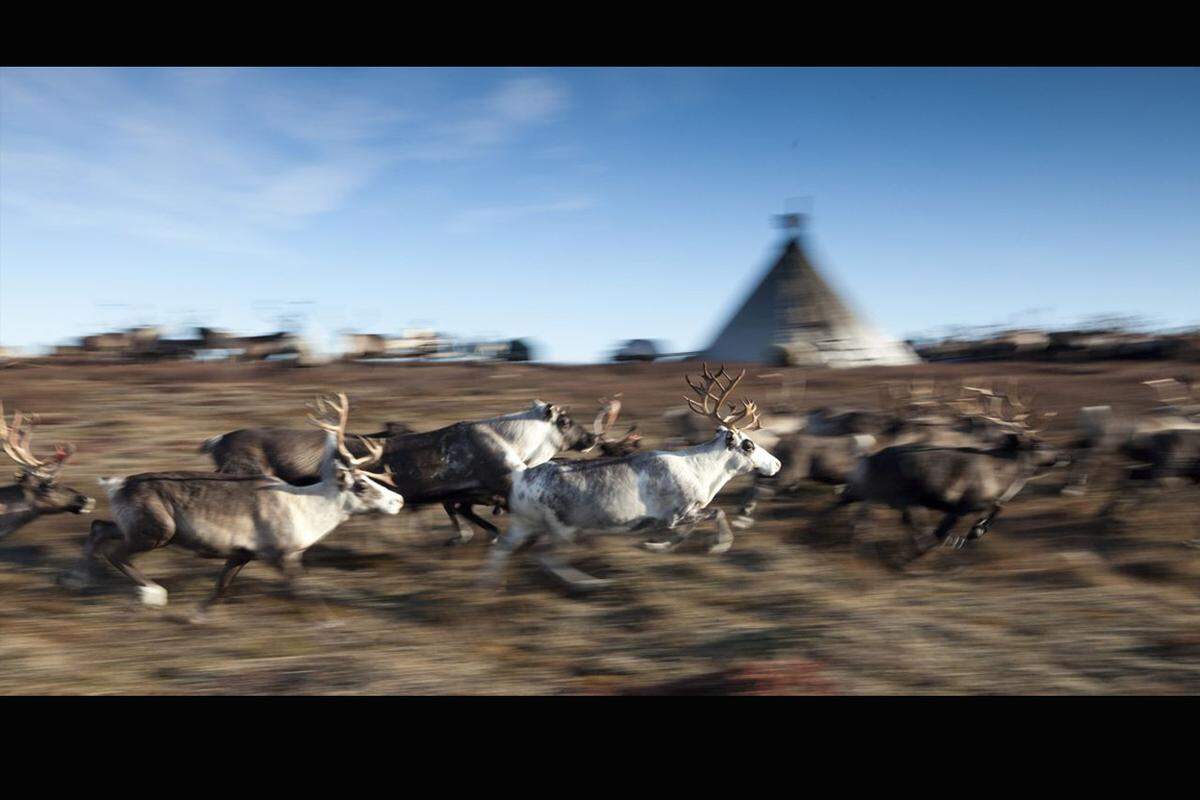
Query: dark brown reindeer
[291, 454]
[37, 491]
[459, 466]
[833, 441]
[1159, 449]
[954, 479]
[1148, 439]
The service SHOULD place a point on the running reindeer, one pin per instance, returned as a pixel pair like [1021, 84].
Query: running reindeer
[1165, 441]
[459, 466]
[1160, 449]
[37, 491]
[239, 518]
[954, 478]
[833, 441]
[638, 493]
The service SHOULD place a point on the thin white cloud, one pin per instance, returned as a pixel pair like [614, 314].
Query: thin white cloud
[227, 160]
[513, 107]
[478, 220]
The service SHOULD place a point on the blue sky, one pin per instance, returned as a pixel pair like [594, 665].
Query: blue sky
[579, 207]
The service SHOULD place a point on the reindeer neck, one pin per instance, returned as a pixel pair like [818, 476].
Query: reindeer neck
[322, 503]
[529, 434]
[712, 464]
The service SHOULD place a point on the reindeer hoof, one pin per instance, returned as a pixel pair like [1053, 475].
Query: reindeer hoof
[658, 547]
[152, 595]
[588, 584]
[720, 547]
[454, 541]
[741, 522]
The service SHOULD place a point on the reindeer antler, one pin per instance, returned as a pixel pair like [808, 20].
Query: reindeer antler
[16, 441]
[340, 408]
[748, 411]
[1007, 407]
[610, 409]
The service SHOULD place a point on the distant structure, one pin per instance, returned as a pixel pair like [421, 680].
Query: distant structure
[794, 318]
[146, 343]
[423, 345]
[1066, 345]
[412, 343]
[637, 350]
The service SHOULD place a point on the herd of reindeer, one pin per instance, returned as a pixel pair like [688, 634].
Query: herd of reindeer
[278, 491]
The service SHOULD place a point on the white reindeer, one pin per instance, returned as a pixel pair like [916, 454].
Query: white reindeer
[638, 493]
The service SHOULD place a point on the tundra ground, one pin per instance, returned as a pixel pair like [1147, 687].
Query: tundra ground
[1053, 600]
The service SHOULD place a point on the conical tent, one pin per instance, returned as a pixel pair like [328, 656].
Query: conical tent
[794, 317]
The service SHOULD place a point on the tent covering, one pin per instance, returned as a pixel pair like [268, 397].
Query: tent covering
[793, 317]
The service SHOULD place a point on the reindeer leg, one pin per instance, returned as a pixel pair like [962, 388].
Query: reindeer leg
[151, 593]
[724, 539]
[758, 491]
[1128, 495]
[292, 567]
[859, 520]
[233, 565]
[681, 535]
[80, 575]
[572, 578]
[492, 575]
[922, 539]
[981, 527]
[467, 511]
[464, 532]
[942, 534]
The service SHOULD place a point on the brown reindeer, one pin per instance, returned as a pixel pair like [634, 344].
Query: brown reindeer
[238, 518]
[955, 479]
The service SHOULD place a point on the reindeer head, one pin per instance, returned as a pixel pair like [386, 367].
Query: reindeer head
[747, 455]
[38, 478]
[569, 434]
[362, 491]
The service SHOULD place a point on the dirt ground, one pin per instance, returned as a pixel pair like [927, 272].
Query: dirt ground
[1053, 600]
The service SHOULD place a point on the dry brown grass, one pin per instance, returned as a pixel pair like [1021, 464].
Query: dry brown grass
[1050, 602]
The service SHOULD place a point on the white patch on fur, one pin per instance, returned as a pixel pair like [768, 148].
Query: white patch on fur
[111, 485]
[863, 443]
[153, 595]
